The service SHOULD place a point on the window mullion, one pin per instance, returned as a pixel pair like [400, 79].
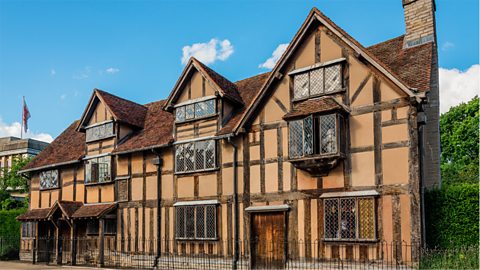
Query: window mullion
[339, 217]
[205, 221]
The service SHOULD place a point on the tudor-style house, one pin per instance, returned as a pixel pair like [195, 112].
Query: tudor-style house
[333, 147]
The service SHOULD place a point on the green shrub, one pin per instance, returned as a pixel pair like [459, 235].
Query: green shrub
[451, 215]
[9, 226]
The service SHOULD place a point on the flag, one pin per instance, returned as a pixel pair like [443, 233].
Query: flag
[26, 116]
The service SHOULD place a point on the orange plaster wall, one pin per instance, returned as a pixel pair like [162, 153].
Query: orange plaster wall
[137, 189]
[405, 217]
[395, 166]
[305, 55]
[151, 187]
[271, 177]
[329, 49]
[108, 193]
[305, 181]
[387, 218]
[335, 178]
[363, 169]
[270, 143]
[207, 184]
[185, 186]
[395, 133]
[167, 186]
[361, 130]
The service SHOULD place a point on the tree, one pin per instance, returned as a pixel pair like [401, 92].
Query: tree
[11, 181]
[459, 129]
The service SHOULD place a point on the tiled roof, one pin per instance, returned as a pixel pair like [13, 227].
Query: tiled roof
[413, 65]
[34, 214]
[157, 130]
[94, 210]
[247, 89]
[307, 107]
[67, 207]
[68, 146]
[123, 110]
[228, 88]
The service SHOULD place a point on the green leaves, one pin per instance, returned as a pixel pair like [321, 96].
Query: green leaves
[10, 181]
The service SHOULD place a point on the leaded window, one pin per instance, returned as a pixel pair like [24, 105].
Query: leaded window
[195, 156]
[349, 218]
[313, 135]
[196, 222]
[319, 81]
[28, 229]
[110, 226]
[99, 132]
[195, 110]
[49, 179]
[98, 170]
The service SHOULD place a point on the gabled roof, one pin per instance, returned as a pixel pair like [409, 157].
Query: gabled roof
[124, 111]
[225, 88]
[317, 105]
[34, 214]
[67, 148]
[157, 131]
[67, 208]
[413, 65]
[94, 210]
[316, 16]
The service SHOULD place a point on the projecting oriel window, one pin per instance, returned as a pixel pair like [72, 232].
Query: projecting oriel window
[350, 218]
[318, 81]
[195, 110]
[196, 222]
[195, 156]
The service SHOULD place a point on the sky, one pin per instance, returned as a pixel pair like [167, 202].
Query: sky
[56, 52]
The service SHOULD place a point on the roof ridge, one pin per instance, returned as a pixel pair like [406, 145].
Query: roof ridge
[385, 41]
[248, 78]
[108, 93]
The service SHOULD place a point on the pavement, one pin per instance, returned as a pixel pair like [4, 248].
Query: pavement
[14, 265]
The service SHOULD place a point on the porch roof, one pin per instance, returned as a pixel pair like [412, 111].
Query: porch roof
[68, 208]
[34, 214]
[307, 107]
[94, 210]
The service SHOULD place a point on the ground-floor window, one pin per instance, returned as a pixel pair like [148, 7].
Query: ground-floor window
[28, 229]
[349, 218]
[196, 222]
[109, 226]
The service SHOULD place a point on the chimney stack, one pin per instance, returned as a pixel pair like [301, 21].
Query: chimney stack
[419, 22]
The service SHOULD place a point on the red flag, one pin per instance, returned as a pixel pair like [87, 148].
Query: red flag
[26, 116]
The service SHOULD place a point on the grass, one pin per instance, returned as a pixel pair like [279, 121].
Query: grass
[455, 258]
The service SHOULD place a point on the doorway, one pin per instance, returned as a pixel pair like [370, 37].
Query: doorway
[268, 240]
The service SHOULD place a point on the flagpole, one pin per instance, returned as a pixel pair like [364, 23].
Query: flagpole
[23, 111]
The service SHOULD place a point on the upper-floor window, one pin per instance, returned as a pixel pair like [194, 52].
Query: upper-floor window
[195, 156]
[314, 135]
[318, 81]
[196, 222]
[49, 179]
[99, 131]
[195, 110]
[98, 170]
[350, 218]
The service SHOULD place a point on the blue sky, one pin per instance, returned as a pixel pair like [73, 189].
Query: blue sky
[56, 52]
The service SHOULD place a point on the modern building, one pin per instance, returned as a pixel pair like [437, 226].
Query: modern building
[13, 148]
[329, 149]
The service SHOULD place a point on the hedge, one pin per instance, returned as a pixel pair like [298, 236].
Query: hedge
[451, 216]
[9, 233]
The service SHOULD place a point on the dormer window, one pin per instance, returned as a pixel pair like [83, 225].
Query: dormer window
[195, 110]
[317, 80]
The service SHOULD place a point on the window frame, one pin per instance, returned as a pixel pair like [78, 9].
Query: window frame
[103, 124]
[357, 219]
[31, 229]
[308, 72]
[40, 176]
[194, 157]
[317, 136]
[194, 105]
[206, 222]
[88, 172]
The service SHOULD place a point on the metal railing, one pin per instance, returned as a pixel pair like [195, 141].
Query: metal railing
[137, 253]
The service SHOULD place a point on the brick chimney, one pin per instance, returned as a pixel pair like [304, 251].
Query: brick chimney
[419, 22]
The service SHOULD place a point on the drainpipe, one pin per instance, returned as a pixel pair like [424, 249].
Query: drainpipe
[236, 222]
[421, 137]
[158, 162]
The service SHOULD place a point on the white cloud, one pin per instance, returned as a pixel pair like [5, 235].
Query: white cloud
[447, 46]
[208, 52]
[277, 53]
[458, 86]
[83, 74]
[14, 128]
[53, 72]
[112, 70]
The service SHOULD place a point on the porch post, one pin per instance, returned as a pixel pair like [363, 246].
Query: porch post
[73, 242]
[35, 244]
[101, 242]
[58, 242]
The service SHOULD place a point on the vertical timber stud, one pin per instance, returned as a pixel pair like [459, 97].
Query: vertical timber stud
[73, 242]
[377, 132]
[317, 45]
[280, 158]
[144, 198]
[246, 188]
[101, 242]
[415, 178]
[397, 228]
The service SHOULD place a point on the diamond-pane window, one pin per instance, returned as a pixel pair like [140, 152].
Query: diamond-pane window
[366, 217]
[296, 138]
[308, 135]
[316, 81]
[180, 114]
[190, 111]
[328, 138]
[179, 158]
[195, 156]
[99, 132]
[301, 86]
[49, 179]
[196, 222]
[333, 81]
[210, 154]
[350, 218]
[189, 157]
[200, 155]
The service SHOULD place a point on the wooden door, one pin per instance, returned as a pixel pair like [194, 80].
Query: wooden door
[268, 240]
